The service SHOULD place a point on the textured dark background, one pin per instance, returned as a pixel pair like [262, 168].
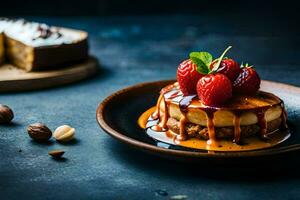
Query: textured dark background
[137, 41]
[137, 7]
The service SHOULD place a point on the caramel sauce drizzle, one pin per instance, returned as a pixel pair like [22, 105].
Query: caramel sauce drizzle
[211, 127]
[261, 121]
[156, 115]
[163, 118]
[237, 128]
[163, 122]
[183, 105]
[182, 134]
[172, 92]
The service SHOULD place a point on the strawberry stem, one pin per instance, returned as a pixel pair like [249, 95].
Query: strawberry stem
[216, 67]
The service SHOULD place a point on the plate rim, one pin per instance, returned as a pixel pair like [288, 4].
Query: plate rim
[36, 80]
[180, 153]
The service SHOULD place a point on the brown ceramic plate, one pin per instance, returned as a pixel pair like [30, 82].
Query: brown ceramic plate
[118, 115]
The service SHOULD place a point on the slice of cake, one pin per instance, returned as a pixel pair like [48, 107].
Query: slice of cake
[2, 54]
[34, 46]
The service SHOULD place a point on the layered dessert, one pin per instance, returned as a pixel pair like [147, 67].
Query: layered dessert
[217, 105]
[35, 46]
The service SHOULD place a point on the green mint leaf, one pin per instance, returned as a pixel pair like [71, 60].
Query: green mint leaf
[201, 66]
[202, 60]
[204, 56]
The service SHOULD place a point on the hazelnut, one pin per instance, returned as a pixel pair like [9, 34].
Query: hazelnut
[6, 114]
[39, 132]
[56, 153]
[64, 133]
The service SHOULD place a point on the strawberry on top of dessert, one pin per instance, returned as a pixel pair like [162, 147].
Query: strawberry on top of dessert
[215, 81]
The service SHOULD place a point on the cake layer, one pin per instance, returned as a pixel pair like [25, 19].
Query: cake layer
[223, 118]
[201, 132]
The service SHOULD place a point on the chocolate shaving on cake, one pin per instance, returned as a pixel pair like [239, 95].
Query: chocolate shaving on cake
[45, 31]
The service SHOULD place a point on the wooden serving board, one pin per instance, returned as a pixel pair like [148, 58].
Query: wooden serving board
[14, 79]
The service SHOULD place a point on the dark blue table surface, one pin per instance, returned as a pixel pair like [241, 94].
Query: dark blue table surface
[133, 50]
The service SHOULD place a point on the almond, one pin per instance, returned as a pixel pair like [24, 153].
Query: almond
[64, 133]
[56, 153]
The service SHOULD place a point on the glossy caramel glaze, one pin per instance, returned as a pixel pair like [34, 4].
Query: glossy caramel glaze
[238, 105]
[252, 143]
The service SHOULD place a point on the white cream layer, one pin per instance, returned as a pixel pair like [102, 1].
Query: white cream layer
[29, 34]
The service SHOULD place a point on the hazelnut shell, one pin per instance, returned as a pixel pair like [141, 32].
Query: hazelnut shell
[39, 132]
[6, 114]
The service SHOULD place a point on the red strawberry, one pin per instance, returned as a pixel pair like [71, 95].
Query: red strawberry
[248, 81]
[187, 77]
[214, 89]
[228, 67]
